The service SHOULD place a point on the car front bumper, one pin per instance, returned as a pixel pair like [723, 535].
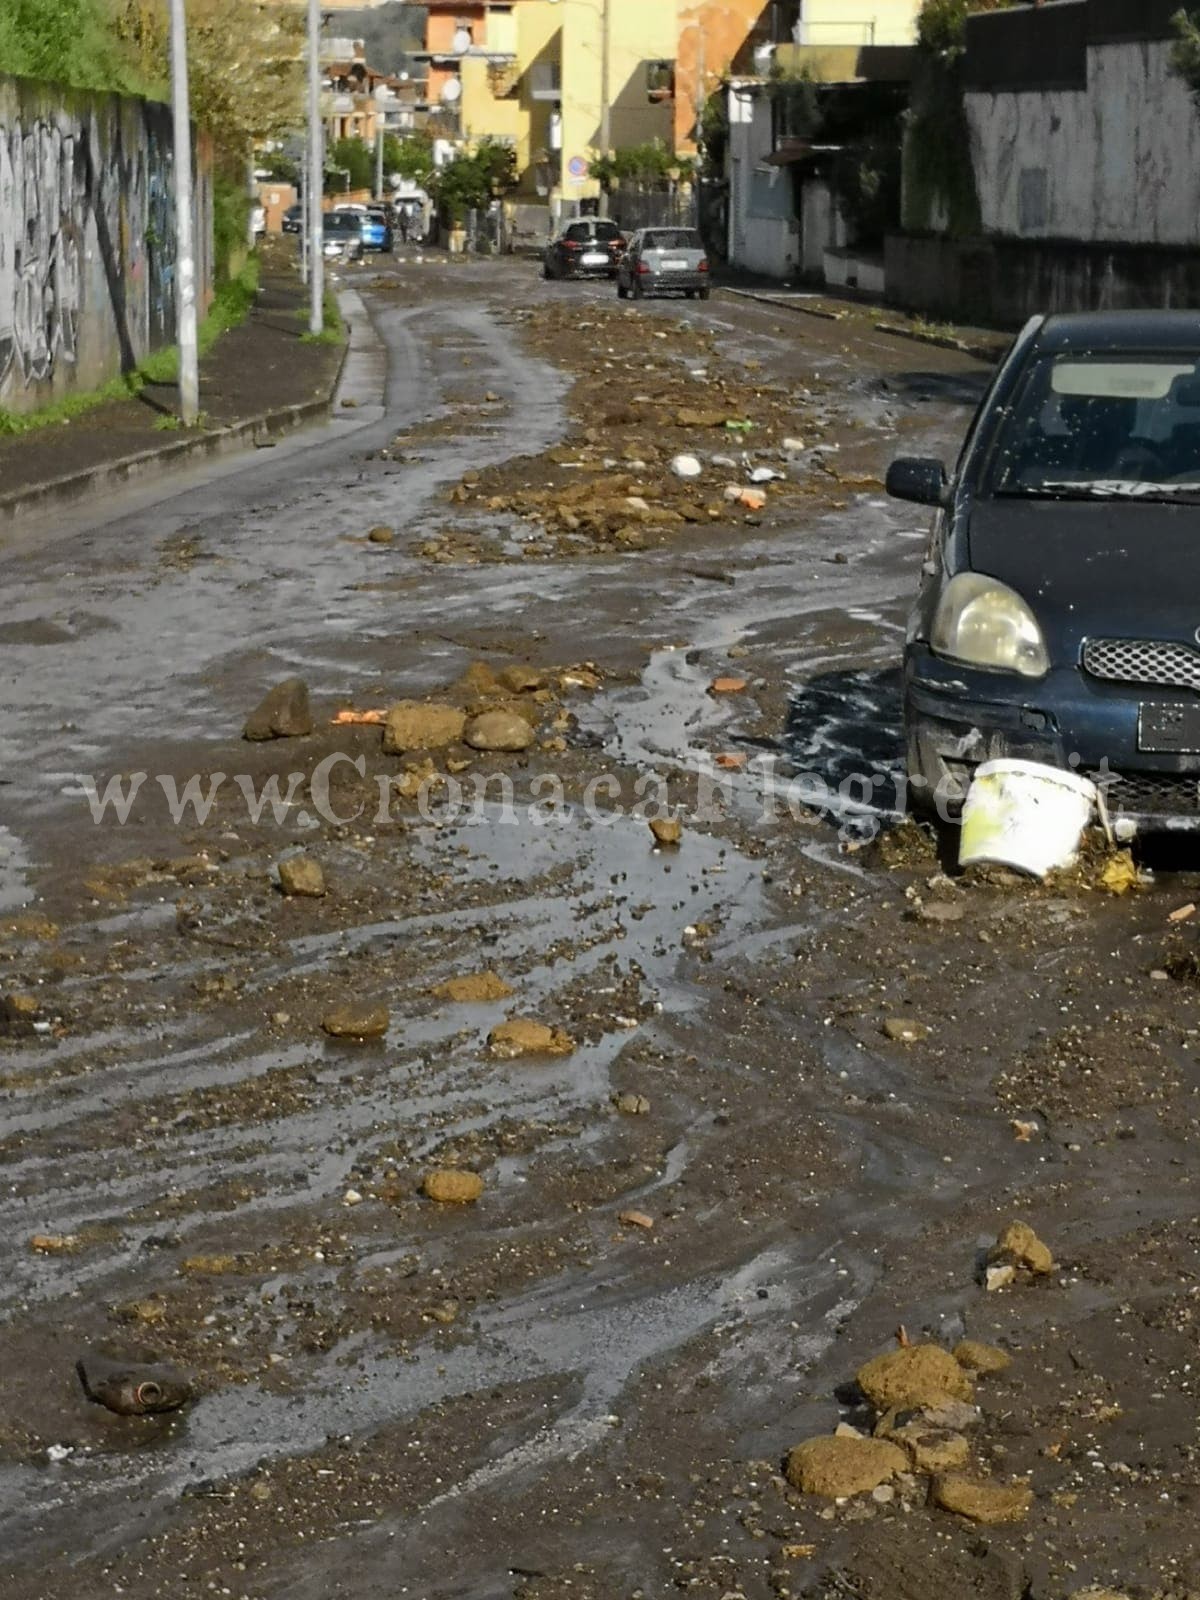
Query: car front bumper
[957, 717]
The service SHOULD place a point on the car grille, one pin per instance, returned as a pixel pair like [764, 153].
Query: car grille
[1160, 663]
[1160, 794]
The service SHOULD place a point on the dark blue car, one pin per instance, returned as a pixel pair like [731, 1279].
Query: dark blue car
[1058, 617]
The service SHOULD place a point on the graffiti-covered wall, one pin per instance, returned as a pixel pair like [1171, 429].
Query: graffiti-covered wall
[87, 238]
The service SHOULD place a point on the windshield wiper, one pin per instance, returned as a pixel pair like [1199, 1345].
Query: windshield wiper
[1110, 489]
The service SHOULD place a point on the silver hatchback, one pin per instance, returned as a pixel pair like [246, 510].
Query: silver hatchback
[664, 261]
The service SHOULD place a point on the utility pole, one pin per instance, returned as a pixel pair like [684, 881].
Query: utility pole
[605, 90]
[185, 240]
[378, 154]
[316, 174]
[304, 209]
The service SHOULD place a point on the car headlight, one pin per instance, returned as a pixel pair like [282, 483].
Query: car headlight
[981, 621]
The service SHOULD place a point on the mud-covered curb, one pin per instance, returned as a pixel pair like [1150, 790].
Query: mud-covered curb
[248, 433]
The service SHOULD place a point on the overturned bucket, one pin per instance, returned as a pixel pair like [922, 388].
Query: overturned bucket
[1025, 815]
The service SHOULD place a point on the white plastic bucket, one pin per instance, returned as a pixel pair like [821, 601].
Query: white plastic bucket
[1025, 815]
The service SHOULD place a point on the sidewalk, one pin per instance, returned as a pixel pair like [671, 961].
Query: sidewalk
[259, 379]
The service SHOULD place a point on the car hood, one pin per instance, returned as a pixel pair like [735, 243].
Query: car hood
[1116, 567]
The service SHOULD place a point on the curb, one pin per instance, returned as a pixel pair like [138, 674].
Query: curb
[149, 464]
[943, 341]
[764, 297]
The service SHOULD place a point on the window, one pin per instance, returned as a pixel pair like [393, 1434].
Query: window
[660, 80]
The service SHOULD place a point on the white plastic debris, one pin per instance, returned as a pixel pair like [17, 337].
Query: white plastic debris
[765, 475]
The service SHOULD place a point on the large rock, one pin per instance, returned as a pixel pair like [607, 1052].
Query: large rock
[981, 1501]
[920, 1375]
[837, 1467]
[930, 1450]
[1019, 1246]
[519, 679]
[473, 986]
[499, 730]
[451, 1186]
[413, 725]
[302, 876]
[284, 713]
[981, 1358]
[521, 1036]
[355, 1021]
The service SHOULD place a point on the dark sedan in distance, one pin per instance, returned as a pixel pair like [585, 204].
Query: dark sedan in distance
[589, 247]
[1058, 615]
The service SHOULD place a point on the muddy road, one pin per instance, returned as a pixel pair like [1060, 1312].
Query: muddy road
[731, 1176]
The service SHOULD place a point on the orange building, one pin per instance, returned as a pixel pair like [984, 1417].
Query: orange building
[715, 37]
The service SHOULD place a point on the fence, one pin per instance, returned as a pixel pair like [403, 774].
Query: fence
[634, 206]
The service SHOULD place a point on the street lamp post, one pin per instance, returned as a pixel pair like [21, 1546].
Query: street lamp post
[316, 173]
[185, 241]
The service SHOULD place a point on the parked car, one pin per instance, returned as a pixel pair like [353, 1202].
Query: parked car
[664, 261]
[377, 230]
[293, 219]
[1058, 617]
[342, 236]
[589, 247]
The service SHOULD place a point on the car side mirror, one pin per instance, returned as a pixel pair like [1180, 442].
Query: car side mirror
[918, 478]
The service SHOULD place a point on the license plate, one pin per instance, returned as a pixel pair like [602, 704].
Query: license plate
[1169, 729]
[595, 258]
[674, 266]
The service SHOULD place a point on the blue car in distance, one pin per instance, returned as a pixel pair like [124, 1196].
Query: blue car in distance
[1058, 613]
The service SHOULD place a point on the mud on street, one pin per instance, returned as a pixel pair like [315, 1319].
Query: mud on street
[518, 1185]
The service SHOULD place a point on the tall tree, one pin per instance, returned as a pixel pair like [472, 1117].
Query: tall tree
[66, 41]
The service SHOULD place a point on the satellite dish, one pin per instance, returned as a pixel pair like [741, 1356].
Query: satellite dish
[451, 92]
[462, 41]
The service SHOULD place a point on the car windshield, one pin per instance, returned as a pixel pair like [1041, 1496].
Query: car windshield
[343, 222]
[672, 239]
[1102, 425]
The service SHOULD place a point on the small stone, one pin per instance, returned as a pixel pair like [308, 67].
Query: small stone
[632, 1105]
[413, 725]
[280, 1019]
[667, 831]
[836, 1468]
[356, 1022]
[207, 1266]
[686, 466]
[995, 1278]
[636, 1219]
[521, 680]
[301, 876]
[521, 1036]
[147, 1312]
[445, 1312]
[905, 1030]
[940, 912]
[54, 1244]
[381, 535]
[980, 1501]
[845, 1431]
[284, 713]
[1019, 1246]
[499, 730]
[352, 1198]
[727, 686]
[982, 1358]
[1098, 1592]
[21, 1007]
[473, 986]
[954, 1415]
[919, 1375]
[452, 1186]
[883, 1494]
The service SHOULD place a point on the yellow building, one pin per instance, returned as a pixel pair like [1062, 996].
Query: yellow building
[561, 80]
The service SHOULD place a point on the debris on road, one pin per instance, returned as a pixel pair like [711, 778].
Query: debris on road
[632, 1105]
[981, 1501]
[55, 1244]
[636, 1219]
[1119, 875]
[283, 713]
[381, 535]
[905, 1030]
[375, 717]
[667, 831]
[1182, 913]
[452, 1186]
[522, 1036]
[686, 466]
[416, 725]
[499, 731]
[836, 1468]
[354, 1021]
[920, 1375]
[473, 986]
[1020, 1248]
[302, 877]
[984, 1359]
[131, 1388]
[727, 686]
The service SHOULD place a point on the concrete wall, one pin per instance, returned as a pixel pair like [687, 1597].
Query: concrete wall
[835, 22]
[764, 228]
[712, 34]
[1119, 160]
[1000, 282]
[87, 239]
